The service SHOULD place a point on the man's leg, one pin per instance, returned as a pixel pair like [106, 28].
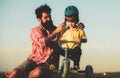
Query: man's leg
[16, 73]
[35, 73]
[41, 71]
[22, 70]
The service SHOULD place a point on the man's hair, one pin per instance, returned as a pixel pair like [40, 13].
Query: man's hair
[41, 9]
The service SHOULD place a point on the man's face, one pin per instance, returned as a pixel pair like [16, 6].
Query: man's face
[46, 20]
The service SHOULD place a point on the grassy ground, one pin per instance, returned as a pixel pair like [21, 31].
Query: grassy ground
[107, 75]
[96, 75]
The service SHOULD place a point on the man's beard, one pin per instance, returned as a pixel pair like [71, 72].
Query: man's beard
[48, 25]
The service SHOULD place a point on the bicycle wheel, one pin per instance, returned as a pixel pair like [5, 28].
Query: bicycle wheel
[89, 71]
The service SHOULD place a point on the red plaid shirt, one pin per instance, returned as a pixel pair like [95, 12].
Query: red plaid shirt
[40, 51]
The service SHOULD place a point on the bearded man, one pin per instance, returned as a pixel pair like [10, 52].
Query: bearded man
[44, 52]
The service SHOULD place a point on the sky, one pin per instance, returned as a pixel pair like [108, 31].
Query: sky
[101, 18]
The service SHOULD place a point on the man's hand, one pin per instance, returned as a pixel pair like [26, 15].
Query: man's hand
[52, 67]
[60, 27]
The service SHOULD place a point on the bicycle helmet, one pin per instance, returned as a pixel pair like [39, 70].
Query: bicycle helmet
[71, 10]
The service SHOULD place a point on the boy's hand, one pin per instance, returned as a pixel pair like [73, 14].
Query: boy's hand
[77, 41]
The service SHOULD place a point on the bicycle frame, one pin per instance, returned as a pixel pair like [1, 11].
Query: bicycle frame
[65, 62]
[66, 65]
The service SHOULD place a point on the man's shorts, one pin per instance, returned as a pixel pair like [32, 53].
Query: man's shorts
[29, 65]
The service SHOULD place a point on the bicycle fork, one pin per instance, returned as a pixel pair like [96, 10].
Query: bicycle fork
[65, 65]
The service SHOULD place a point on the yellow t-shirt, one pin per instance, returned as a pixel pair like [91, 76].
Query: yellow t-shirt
[72, 35]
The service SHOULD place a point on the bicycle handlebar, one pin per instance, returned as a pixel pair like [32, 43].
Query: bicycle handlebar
[62, 41]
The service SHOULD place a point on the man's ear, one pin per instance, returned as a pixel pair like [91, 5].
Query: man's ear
[39, 19]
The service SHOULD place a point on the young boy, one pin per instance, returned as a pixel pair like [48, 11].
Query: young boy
[73, 33]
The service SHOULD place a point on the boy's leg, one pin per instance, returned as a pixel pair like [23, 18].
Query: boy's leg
[75, 55]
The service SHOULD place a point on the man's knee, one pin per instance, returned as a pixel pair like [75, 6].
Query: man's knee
[36, 73]
[16, 73]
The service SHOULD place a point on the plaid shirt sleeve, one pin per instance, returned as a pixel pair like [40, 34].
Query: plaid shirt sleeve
[37, 37]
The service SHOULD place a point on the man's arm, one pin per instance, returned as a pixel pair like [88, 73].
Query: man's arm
[56, 31]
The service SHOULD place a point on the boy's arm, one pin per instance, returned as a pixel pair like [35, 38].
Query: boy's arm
[83, 36]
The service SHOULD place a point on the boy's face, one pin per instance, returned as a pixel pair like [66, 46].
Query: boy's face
[70, 24]
[70, 21]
